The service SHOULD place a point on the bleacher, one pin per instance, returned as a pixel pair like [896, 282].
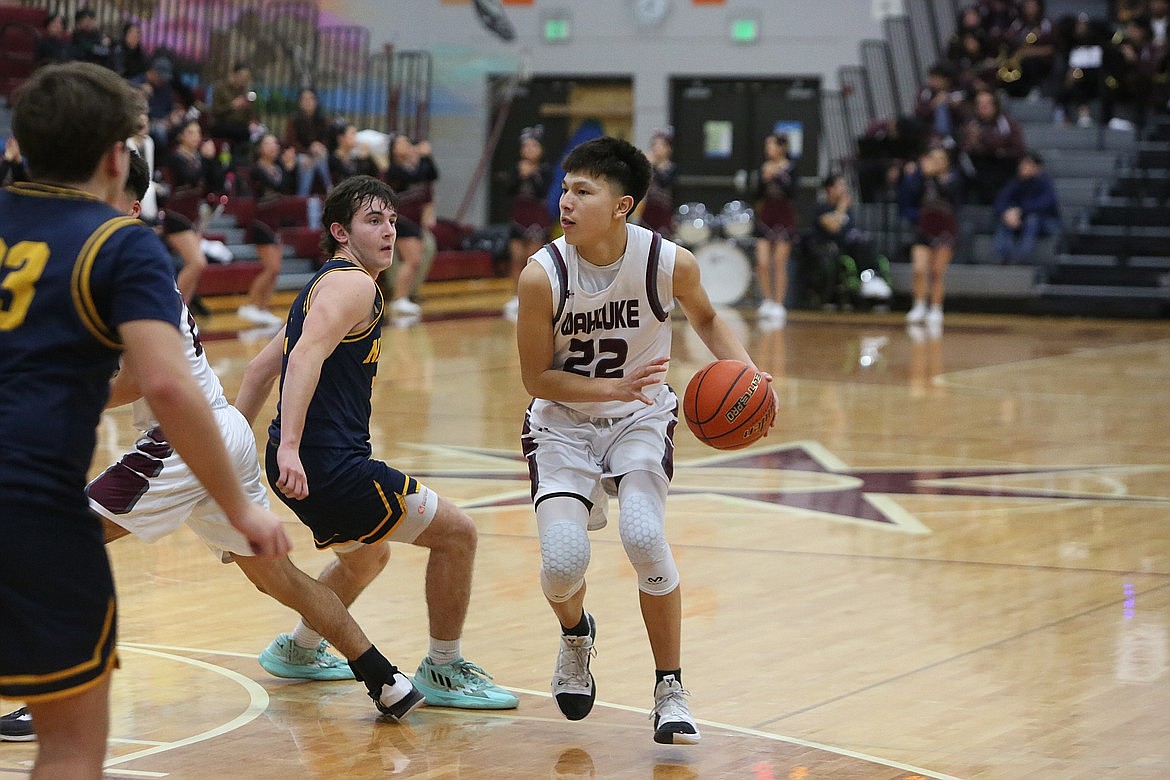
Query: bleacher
[371, 81]
[1113, 186]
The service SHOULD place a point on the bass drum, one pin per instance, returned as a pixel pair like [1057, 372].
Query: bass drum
[726, 271]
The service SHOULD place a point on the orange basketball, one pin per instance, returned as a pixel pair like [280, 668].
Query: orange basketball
[728, 405]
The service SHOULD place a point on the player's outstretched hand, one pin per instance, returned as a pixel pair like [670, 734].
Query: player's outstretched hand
[266, 535]
[631, 387]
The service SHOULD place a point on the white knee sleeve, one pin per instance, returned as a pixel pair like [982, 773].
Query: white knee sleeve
[564, 546]
[642, 502]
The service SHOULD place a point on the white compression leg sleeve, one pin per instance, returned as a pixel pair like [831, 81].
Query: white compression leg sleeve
[642, 504]
[564, 546]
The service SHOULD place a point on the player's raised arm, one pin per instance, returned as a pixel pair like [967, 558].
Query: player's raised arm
[342, 302]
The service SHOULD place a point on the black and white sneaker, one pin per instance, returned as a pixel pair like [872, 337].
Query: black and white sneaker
[572, 683]
[17, 727]
[397, 698]
[673, 724]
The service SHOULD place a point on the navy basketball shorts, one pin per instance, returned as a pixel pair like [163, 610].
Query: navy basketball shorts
[354, 499]
[58, 614]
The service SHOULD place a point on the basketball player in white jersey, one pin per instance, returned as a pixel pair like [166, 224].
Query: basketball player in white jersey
[593, 332]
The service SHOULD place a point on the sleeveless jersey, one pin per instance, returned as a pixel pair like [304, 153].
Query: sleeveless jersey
[623, 326]
[72, 270]
[208, 382]
[338, 416]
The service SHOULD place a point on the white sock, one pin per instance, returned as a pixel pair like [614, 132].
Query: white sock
[444, 651]
[305, 637]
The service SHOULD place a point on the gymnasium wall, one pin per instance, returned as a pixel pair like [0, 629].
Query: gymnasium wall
[796, 37]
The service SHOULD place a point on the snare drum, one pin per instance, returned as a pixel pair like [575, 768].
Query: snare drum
[738, 221]
[693, 224]
[726, 271]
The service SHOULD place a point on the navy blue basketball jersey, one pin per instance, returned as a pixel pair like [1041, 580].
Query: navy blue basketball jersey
[72, 270]
[338, 416]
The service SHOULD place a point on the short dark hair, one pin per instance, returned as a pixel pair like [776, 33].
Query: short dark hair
[138, 179]
[1034, 156]
[68, 115]
[346, 199]
[615, 160]
[830, 180]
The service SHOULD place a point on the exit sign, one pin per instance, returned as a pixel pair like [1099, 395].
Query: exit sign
[745, 30]
[556, 30]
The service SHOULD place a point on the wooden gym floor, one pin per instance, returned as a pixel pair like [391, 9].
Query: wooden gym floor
[950, 558]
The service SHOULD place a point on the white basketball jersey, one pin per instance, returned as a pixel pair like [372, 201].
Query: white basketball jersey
[208, 382]
[624, 325]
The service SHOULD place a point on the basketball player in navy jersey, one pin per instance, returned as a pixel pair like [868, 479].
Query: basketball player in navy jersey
[81, 284]
[319, 460]
[594, 338]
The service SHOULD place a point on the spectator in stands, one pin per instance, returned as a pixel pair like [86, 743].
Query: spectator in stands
[775, 227]
[164, 105]
[527, 184]
[274, 169]
[89, 43]
[307, 131]
[928, 198]
[1030, 42]
[973, 61]
[997, 16]
[53, 45]
[129, 58]
[194, 162]
[885, 147]
[1130, 69]
[1159, 17]
[1126, 10]
[232, 116]
[1085, 56]
[1026, 209]
[12, 166]
[412, 174]
[349, 157]
[847, 255]
[991, 143]
[938, 105]
[656, 210]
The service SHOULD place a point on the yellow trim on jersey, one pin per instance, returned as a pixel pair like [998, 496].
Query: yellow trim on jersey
[94, 661]
[349, 337]
[42, 190]
[82, 295]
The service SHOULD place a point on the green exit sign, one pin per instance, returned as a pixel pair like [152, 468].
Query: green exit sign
[556, 30]
[745, 30]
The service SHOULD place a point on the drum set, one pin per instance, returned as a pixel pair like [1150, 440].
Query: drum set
[721, 243]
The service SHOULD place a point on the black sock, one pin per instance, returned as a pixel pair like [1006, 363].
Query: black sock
[581, 629]
[660, 673]
[374, 669]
